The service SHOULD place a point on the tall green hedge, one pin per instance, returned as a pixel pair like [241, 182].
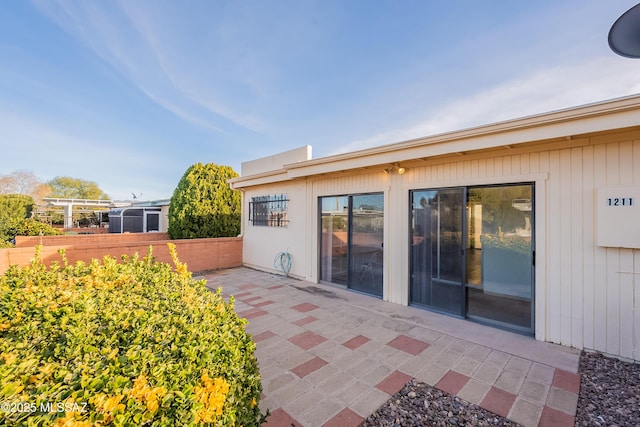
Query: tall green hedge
[204, 205]
[122, 344]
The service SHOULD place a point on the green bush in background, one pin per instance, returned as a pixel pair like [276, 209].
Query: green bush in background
[26, 227]
[204, 205]
[15, 211]
[15, 206]
[123, 344]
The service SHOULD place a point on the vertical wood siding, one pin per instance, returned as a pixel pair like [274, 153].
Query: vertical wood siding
[359, 183]
[591, 293]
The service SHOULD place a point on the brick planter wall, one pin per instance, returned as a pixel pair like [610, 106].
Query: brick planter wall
[88, 239]
[198, 254]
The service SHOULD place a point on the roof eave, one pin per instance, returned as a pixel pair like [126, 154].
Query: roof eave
[259, 179]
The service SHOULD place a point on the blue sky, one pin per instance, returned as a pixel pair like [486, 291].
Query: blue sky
[129, 93]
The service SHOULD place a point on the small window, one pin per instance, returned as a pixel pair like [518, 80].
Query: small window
[269, 211]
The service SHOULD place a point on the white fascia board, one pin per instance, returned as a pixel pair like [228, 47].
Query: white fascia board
[259, 179]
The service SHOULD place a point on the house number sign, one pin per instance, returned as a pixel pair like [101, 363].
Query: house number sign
[620, 201]
[617, 214]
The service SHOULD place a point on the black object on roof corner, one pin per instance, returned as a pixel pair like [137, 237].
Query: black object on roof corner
[624, 36]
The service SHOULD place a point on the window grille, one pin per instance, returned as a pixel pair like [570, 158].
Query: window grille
[269, 211]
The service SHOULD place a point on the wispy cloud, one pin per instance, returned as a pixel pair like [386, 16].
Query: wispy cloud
[134, 42]
[543, 91]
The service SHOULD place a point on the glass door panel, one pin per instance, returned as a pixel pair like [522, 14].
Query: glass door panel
[436, 249]
[499, 255]
[366, 233]
[334, 239]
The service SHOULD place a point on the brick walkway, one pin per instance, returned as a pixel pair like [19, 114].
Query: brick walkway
[331, 357]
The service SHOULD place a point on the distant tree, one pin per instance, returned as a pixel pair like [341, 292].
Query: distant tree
[204, 205]
[66, 187]
[24, 182]
[15, 213]
[15, 207]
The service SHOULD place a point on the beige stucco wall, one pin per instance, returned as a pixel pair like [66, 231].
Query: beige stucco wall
[275, 161]
[267, 242]
[164, 219]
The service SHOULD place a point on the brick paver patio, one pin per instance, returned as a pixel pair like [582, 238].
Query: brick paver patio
[331, 357]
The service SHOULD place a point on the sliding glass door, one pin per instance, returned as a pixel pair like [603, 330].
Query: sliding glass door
[472, 253]
[351, 242]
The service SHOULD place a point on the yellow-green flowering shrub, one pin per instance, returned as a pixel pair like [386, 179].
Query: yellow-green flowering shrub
[123, 344]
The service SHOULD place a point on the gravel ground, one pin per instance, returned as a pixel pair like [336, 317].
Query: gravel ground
[609, 392]
[609, 396]
[418, 405]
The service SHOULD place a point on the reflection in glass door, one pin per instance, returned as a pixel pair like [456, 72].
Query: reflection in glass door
[499, 256]
[333, 242]
[351, 242]
[436, 248]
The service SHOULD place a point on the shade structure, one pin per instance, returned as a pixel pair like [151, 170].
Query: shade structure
[134, 219]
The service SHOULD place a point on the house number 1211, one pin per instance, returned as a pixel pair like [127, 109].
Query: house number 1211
[620, 201]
